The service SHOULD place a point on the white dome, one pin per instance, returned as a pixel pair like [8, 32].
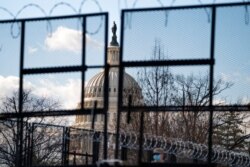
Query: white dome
[94, 87]
[94, 91]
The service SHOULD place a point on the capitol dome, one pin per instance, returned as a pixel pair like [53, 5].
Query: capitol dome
[94, 91]
[94, 87]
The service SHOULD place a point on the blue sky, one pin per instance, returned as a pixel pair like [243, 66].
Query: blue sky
[45, 47]
[187, 35]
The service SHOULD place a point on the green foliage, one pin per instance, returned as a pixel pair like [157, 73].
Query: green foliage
[229, 129]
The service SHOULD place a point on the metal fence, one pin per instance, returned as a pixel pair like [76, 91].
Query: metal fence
[205, 34]
[134, 23]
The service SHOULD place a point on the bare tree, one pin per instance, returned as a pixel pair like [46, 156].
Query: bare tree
[193, 90]
[40, 141]
[161, 87]
[158, 89]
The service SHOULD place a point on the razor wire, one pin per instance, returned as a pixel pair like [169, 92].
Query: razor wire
[173, 146]
[128, 19]
[130, 140]
[49, 14]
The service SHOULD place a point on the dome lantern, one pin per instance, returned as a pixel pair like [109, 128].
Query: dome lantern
[113, 50]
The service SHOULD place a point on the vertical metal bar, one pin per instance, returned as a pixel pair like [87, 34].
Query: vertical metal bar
[29, 133]
[129, 109]
[86, 158]
[68, 144]
[64, 146]
[28, 144]
[65, 154]
[141, 138]
[32, 144]
[106, 90]
[120, 88]
[26, 140]
[149, 155]
[74, 157]
[95, 150]
[83, 60]
[19, 155]
[93, 115]
[124, 152]
[212, 45]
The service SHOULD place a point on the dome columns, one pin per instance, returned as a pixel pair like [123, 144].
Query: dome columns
[113, 55]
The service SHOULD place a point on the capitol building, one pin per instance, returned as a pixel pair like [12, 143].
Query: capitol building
[94, 95]
[94, 91]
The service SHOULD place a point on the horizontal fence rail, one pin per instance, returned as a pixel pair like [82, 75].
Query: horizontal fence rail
[74, 146]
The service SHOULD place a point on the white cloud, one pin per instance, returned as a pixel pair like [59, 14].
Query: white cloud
[219, 101]
[225, 77]
[8, 85]
[68, 93]
[232, 77]
[93, 42]
[32, 50]
[67, 39]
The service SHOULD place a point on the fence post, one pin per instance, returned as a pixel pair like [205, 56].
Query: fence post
[124, 152]
[86, 158]
[172, 158]
[95, 151]
[149, 155]
[25, 142]
[29, 148]
[31, 145]
[65, 146]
